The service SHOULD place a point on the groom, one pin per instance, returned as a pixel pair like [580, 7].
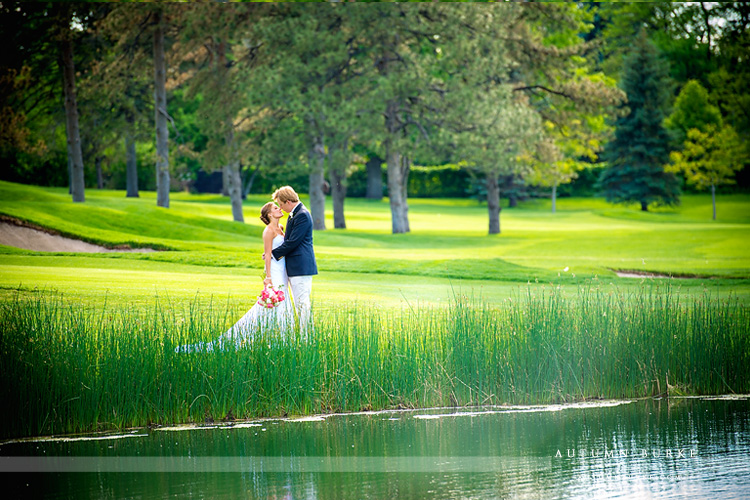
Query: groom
[298, 250]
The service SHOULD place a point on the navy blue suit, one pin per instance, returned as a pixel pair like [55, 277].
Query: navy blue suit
[298, 244]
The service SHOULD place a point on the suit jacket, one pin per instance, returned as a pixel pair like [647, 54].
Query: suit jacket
[298, 244]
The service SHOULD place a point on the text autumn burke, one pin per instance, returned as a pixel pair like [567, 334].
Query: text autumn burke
[627, 453]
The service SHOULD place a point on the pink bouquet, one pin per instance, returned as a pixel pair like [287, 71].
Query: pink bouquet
[270, 297]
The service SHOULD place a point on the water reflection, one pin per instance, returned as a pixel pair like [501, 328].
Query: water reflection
[680, 448]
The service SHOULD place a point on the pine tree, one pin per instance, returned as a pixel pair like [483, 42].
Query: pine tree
[640, 149]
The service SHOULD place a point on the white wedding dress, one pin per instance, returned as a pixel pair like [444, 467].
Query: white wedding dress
[278, 320]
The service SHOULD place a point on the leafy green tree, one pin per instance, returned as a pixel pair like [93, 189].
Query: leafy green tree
[89, 135]
[730, 84]
[710, 158]
[103, 125]
[550, 167]
[30, 88]
[426, 62]
[401, 45]
[704, 41]
[14, 132]
[553, 68]
[684, 32]
[639, 151]
[505, 128]
[145, 32]
[559, 158]
[348, 91]
[34, 137]
[692, 109]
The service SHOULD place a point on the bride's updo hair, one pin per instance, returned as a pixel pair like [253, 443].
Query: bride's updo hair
[265, 212]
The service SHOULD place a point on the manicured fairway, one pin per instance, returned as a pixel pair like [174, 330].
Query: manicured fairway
[447, 249]
[142, 282]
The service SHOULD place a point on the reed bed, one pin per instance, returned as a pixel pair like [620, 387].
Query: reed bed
[68, 368]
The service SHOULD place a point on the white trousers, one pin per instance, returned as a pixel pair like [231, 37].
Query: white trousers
[301, 288]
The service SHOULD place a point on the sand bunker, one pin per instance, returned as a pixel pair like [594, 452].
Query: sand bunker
[39, 241]
[638, 274]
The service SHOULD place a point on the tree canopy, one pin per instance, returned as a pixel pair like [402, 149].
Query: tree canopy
[515, 94]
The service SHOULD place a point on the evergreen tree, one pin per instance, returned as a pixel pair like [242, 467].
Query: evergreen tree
[640, 149]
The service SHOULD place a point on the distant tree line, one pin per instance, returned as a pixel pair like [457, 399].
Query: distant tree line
[494, 101]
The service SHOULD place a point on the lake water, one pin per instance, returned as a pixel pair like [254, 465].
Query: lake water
[677, 448]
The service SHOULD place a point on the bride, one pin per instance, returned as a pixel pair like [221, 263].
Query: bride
[279, 318]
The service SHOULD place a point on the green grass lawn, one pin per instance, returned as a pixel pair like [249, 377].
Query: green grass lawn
[448, 249]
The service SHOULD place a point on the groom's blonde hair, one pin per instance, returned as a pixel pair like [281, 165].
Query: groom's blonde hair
[284, 194]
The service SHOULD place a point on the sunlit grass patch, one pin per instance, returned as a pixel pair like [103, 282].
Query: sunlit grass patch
[587, 235]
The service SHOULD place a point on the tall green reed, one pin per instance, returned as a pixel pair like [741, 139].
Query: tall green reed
[69, 368]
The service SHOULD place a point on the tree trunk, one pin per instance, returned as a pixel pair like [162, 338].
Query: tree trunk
[405, 169]
[131, 166]
[231, 176]
[99, 173]
[399, 208]
[316, 158]
[395, 174]
[644, 206]
[713, 198]
[337, 171]
[234, 179]
[225, 173]
[493, 203]
[160, 112]
[375, 178]
[70, 169]
[235, 191]
[71, 121]
[554, 198]
[338, 193]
